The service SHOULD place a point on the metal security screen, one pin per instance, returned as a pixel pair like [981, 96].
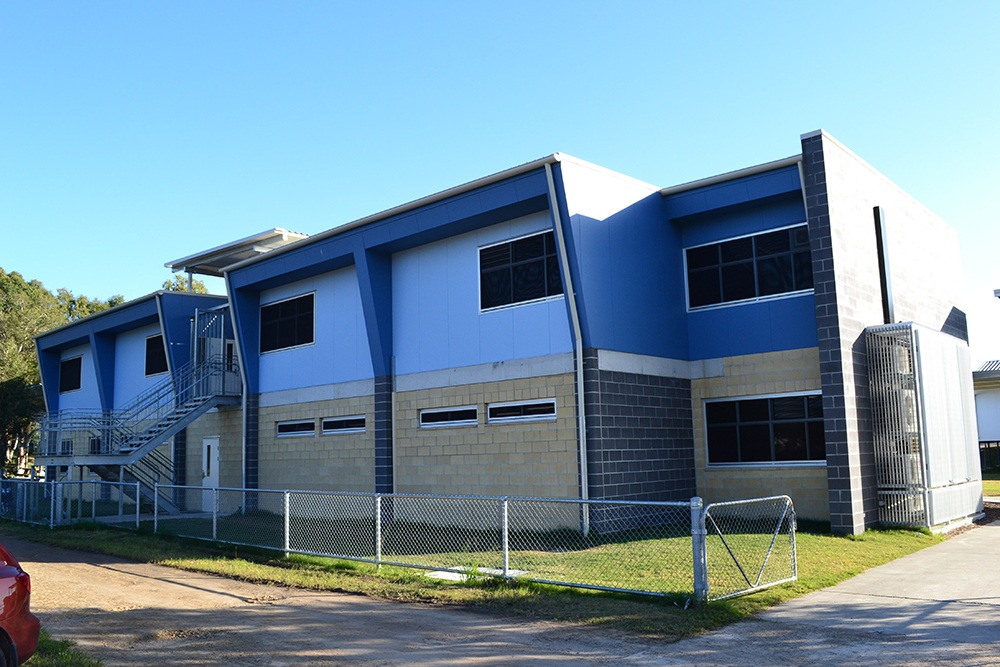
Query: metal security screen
[923, 424]
[899, 462]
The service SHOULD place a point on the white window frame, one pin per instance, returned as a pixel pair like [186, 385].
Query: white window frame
[754, 464]
[277, 301]
[741, 302]
[342, 431]
[522, 418]
[479, 275]
[290, 422]
[450, 424]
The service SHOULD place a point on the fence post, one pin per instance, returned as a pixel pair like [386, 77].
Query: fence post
[156, 504]
[215, 513]
[287, 526]
[56, 499]
[698, 550]
[93, 500]
[378, 531]
[137, 491]
[505, 528]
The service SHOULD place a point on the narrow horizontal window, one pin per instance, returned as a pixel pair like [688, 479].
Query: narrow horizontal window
[287, 323]
[69, 374]
[750, 267]
[499, 413]
[294, 428]
[768, 430]
[465, 416]
[518, 271]
[156, 355]
[344, 425]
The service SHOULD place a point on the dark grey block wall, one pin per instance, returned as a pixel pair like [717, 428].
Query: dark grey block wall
[640, 435]
[383, 435]
[251, 434]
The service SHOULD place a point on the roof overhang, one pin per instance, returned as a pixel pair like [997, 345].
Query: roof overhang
[214, 261]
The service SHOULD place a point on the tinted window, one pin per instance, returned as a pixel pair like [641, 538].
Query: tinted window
[156, 355]
[286, 324]
[522, 270]
[69, 374]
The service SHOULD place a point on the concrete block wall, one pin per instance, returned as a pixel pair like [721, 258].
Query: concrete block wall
[765, 374]
[227, 424]
[639, 434]
[841, 192]
[334, 462]
[535, 458]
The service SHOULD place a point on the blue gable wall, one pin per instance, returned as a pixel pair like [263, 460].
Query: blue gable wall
[370, 248]
[98, 335]
[436, 315]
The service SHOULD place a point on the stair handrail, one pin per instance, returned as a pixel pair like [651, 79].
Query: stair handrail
[120, 429]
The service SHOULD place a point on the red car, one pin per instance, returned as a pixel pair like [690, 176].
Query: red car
[18, 626]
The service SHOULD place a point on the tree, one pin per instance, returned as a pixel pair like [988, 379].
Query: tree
[179, 283]
[79, 307]
[26, 309]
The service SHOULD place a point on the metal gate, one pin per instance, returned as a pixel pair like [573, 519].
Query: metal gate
[749, 546]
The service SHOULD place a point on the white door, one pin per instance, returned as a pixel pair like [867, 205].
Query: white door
[209, 471]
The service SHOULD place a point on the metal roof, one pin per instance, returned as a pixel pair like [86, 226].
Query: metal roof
[990, 367]
[213, 262]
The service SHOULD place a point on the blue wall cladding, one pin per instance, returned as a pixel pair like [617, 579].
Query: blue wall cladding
[737, 208]
[437, 321]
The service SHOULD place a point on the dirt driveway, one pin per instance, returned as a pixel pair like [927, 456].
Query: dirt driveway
[135, 614]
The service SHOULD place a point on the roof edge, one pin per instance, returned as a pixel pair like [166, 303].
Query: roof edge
[732, 175]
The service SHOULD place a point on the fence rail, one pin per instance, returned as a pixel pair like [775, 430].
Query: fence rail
[677, 549]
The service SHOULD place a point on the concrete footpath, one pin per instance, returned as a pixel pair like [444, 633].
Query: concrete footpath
[950, 592]
[937, 606]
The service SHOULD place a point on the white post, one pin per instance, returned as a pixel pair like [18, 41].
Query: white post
[698, 547]
[378, 531]
[287, 526]
[215, 512]
[93, 500]
[137, 492]
[505, 531]
[156, 504]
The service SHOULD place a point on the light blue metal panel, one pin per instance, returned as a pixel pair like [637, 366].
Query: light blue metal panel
[496, 340]
[406, 296]
[130, 365]
[337, 353]
[436, 316]
[433, 307]
[87, 397]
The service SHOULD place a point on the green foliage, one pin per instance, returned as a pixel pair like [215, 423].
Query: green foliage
[78, 307]
[179, 283]
[26, 310]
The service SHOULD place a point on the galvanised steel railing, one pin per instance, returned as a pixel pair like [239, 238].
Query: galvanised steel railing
[93, 432]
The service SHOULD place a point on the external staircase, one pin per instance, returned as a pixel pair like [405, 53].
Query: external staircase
[126, 445]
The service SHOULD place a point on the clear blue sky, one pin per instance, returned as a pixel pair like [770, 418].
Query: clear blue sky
[134, 133]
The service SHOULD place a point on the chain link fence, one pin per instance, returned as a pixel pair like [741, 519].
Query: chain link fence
[62, 503]
[677, 549]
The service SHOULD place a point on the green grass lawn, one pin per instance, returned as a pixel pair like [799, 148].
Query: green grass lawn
[991, 483]
[823, 560]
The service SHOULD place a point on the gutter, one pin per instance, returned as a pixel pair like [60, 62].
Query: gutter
[732, 175]
[577, 343]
